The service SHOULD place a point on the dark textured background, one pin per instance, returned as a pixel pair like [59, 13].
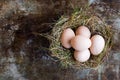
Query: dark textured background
[22, 53]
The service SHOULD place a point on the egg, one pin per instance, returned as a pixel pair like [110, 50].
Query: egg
[80, 43]
[82, 30]
[66, 37]
[98, 44]
[82, 56]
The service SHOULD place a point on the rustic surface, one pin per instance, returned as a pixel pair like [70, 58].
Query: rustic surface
[22, 53]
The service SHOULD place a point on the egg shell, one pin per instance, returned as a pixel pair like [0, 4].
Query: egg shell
[83, 30]
[66, 37]
[80, 43]
[82, 56]
[98, 44]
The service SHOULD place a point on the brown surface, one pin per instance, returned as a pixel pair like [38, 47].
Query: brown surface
[22, 56]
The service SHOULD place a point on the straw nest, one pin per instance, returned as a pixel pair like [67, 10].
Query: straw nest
[87, 17]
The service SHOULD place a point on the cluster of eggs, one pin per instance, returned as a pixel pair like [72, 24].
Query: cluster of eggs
[82, 42]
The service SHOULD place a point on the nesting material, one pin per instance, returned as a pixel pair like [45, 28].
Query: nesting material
[97, 26]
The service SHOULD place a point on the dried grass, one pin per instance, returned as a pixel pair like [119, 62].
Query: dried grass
[84, 16]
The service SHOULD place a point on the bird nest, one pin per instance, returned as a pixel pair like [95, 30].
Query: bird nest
[82, 17]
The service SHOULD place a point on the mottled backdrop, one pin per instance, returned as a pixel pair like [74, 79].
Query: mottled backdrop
[23, 54]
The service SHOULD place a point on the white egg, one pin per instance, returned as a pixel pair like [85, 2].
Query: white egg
[98, 44]
[82, 30]
[66, 37]
[82, 56]
[80, 43]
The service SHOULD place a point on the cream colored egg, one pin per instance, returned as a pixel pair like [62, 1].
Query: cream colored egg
[66, 37]
[98, 44]
[82, 56]
[80, 43]
[82, 30]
